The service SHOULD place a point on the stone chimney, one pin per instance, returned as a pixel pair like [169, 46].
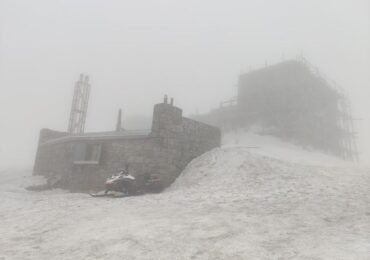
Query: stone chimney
[167, 119]
[119, 121]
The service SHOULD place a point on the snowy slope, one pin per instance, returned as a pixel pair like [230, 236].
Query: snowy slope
[231, 203]
[290, 210]
[274, 147]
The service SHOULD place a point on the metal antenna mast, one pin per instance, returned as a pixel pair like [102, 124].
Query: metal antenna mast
[79, 105]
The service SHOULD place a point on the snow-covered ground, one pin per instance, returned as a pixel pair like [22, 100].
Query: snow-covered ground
[235, 202]
[275, 148]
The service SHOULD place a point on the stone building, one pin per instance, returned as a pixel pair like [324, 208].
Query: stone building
[82, 162]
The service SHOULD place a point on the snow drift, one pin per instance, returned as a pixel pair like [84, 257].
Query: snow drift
[231, 203]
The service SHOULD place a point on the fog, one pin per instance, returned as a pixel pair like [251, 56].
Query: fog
[137, 51]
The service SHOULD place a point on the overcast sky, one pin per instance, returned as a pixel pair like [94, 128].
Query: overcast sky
[136, 51]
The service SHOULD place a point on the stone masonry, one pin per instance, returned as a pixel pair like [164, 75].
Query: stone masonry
[83, 162]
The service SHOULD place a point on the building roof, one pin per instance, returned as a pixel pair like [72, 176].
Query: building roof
[96, 136]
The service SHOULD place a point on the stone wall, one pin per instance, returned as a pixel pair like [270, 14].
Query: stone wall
[173, 142]
[45, 157]
[180, 140]
[58, 158]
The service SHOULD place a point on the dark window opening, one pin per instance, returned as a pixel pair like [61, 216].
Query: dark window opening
[87, 154]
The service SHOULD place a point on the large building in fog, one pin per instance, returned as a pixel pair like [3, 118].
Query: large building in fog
[293, 101]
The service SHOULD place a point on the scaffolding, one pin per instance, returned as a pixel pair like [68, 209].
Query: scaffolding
[295, 101]
[227, 114]
[345, 119]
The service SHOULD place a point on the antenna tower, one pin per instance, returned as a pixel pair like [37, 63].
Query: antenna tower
[79, 105]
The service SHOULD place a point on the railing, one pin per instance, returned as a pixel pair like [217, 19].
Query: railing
[229, 103]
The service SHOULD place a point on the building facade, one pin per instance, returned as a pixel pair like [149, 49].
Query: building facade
[294, 101]
[84, 161]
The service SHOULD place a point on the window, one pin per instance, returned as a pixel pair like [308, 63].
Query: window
[86, 153]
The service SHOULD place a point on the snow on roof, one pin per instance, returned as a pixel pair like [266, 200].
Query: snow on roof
[127, 134]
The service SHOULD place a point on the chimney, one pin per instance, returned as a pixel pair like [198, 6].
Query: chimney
[171, 103]
[119, 121]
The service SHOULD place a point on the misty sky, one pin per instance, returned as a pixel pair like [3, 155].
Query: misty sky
[136, 51]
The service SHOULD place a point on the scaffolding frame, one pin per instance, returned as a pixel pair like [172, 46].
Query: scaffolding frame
[345, 119]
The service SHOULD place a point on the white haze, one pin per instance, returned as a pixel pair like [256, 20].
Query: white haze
[136, 51]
